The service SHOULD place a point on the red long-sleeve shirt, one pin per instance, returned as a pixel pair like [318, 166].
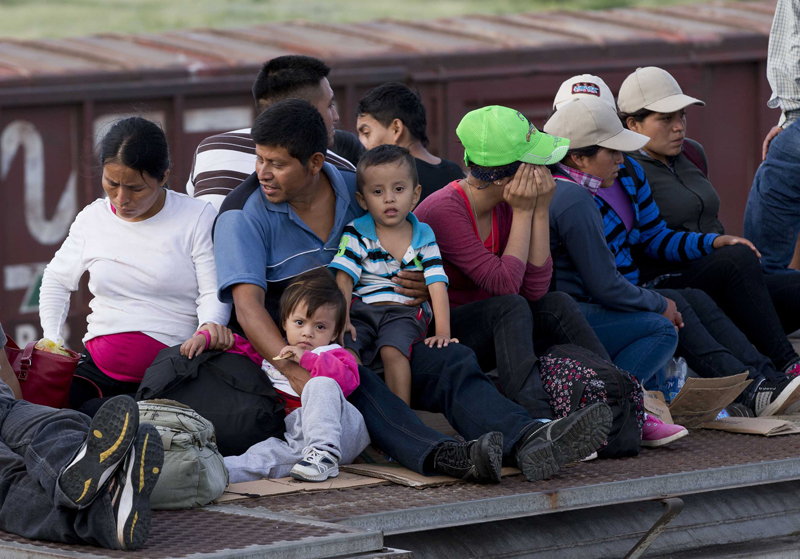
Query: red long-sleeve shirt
[479, 270]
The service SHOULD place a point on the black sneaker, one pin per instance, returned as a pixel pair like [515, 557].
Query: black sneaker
[110, 436]
[131, 488]
[772, 397]
[479, 461]
[547, 447]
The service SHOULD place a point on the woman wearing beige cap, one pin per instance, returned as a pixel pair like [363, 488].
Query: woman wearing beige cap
[593, 262]
[764, 307]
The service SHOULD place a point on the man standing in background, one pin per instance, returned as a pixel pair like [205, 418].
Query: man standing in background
[772, 217]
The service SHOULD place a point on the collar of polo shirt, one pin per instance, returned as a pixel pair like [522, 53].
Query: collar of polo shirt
[420, 237]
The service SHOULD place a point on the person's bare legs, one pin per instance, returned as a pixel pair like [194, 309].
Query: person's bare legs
[397, 372]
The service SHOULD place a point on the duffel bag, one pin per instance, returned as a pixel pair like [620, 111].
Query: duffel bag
[228, 389]
[194, 472]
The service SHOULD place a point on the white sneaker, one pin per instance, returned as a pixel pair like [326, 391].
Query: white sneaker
[316, 465]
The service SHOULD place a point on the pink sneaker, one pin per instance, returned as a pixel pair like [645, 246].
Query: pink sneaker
[657, 433]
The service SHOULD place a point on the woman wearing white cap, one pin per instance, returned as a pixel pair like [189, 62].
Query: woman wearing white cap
[764, 307]
[593, 263]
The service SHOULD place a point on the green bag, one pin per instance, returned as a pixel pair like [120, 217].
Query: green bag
[194, 472]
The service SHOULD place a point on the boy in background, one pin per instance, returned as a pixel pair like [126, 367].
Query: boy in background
[373, 249]
[393, 114]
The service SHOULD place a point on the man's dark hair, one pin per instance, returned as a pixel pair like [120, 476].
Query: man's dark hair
[346, 144]
[316, 288]
[292, 124]
[638, 116]
[287, 77]
[396, 100]
[383, 155]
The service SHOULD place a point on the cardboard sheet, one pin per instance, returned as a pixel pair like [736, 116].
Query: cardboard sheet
[701, 399]
[766, 426]
[268, 487]
[655, 405]
[394, 472]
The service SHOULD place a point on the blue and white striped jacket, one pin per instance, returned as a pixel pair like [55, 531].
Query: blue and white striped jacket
[649, 230]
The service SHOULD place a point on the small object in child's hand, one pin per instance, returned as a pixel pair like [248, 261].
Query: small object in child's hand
[278, 358]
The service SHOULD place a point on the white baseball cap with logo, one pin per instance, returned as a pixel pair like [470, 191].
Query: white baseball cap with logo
[588, 122]
[585, 85]
[653, 89]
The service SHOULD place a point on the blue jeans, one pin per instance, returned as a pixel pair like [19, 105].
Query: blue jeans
[772, 216]
[36, 443]
[638, 342]
[447, 381]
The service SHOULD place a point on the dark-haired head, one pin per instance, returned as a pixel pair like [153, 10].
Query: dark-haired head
[638, 116]
[135, 158]
[346, 144]
[387, 154]
[289, 77]
[492, 174]
[389, 110]
[297, 77]
[315, 289]
[292, 124]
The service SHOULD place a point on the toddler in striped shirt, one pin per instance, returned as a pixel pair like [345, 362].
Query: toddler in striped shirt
[374, 248]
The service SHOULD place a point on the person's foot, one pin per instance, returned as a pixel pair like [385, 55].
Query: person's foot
[479, 461]
[547, 447]
[772, 397]
[657, 433]
[110, 436]
[130, 490]
[316, 465]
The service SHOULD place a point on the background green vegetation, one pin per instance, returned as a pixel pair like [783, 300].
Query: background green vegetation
[60, 18]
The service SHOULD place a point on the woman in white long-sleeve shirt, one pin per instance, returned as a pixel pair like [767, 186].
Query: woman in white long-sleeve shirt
[150, 259]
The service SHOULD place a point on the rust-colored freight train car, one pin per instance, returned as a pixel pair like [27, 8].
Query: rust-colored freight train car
[58, 95]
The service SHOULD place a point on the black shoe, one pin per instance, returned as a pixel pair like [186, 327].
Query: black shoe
[772, 397]
[479, 461]
[549, 446]
[110, 436]
[131, 488]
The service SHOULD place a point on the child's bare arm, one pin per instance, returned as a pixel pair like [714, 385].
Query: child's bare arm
[345, 283]
[441, 313]
[194, 345]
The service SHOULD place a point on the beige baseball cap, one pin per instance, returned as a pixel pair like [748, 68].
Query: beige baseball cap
[653, 89]
[585, 85]
[588, 121]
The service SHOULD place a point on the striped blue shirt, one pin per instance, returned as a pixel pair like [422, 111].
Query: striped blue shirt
[372, 267]
[649, 230]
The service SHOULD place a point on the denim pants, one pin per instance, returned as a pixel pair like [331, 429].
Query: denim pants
[638, 342]
[36, 443]
[711, 343]
[447, 381]
[732, 277]
[772, 215]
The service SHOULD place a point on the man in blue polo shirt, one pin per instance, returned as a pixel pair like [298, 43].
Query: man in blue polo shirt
[288, 218]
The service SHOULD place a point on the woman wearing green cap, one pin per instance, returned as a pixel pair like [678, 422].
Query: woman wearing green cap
[493, 233]
[594, 264]
[765, 307]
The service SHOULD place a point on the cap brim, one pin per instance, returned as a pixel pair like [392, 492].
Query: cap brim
[627, 140]
[549, 150]
[673, 103]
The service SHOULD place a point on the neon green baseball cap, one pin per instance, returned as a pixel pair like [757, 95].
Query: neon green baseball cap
[495, 136]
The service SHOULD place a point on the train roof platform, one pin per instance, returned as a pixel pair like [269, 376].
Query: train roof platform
[353, 522]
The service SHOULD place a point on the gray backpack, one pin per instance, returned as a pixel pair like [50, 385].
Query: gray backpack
[194, 473]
